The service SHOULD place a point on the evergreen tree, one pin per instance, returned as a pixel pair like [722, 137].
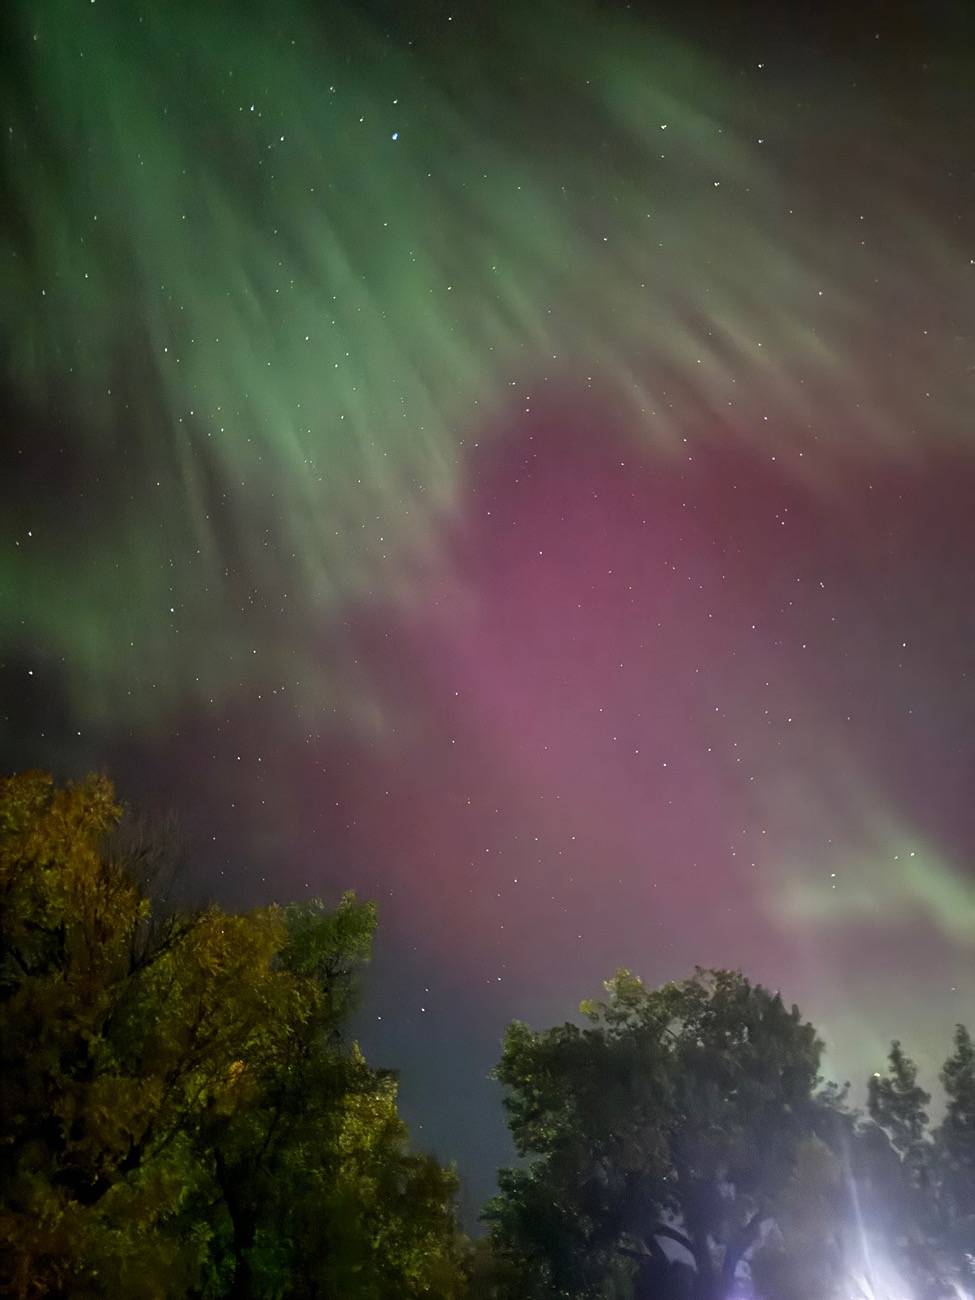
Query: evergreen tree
[955, 1141]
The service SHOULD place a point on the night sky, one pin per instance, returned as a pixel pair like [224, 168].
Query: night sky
[517, 465]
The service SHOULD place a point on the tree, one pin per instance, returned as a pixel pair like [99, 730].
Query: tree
[898, 1104]
[656, 1141]
[874, 1209]
[955, 1147]
[806, 1253]
[899, 1179]
[179, 1112]
[319, 1193]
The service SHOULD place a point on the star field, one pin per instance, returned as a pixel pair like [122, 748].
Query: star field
[519, 468]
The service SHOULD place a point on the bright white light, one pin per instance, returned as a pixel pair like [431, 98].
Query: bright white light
[882, 1285]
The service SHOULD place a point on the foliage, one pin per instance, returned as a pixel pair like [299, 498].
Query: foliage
[955, 1145]
[897, 1104]
[674, 1121]
[179, 1114]
[805, 1254]
[681, 1146]
[874, 1210]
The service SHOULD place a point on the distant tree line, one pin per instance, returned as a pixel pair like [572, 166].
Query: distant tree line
[183, 1114]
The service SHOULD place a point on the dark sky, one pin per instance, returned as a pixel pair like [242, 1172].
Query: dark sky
[519, 468]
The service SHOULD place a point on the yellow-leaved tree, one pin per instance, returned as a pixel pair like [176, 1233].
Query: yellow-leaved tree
[179, 1111]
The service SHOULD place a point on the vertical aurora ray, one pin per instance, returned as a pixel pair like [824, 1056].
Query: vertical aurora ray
[279, 274]
[519, 466]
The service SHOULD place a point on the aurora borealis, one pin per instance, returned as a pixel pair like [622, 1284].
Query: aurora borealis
[518, 466]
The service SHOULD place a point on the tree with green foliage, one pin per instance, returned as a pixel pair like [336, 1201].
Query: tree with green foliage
[873, 1209]
[807, 1252]
[657, 1141]
[179, 1112]
[899, 1178]
[955, 1144]
[898, 1104]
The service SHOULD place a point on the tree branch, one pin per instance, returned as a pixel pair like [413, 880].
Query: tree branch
[674, 1234]
[737, 1247]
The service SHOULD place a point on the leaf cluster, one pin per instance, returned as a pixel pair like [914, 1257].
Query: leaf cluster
[180, 1114]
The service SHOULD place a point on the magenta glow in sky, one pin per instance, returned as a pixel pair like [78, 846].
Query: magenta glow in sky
[521, 472]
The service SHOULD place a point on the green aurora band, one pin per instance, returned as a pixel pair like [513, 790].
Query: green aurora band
[281, 278]
[273, 281]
